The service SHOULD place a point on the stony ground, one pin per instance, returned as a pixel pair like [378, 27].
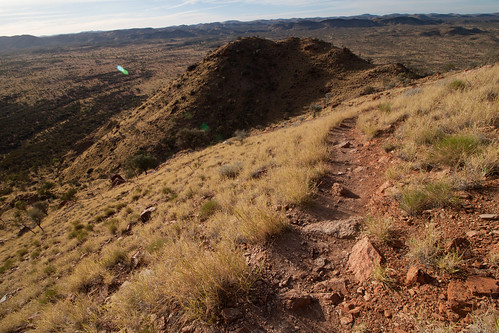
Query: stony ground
[316, 277]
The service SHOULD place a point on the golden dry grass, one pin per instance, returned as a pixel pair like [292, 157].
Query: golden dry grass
[193, 261]
[192, 256]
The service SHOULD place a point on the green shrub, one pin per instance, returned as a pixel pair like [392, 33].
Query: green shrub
[156, 245]
[230, 170]
[35, 253]
[415, 198]
[142, 162]
[7, 264]
[191, 138]
[112, 225]
[453, 150]
[49, 270]
[109, 211]
[368, 90]
[22, 252]
[69, 194]
[80, 231]
[48, 296]
[208, 208]
[21, 205]
[112, 256]
[385, 107]
[45, 188]
[457, 85]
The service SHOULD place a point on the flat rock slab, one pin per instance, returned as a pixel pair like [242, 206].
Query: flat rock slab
[347, 228]
[363, 259]
[483, 286]
[489, 217]
[295, 300]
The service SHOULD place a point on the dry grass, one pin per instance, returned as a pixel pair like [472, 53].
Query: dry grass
[424, 248]
[190, 245]
[379, 227]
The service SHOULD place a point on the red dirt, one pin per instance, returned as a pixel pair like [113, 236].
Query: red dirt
[306, 285]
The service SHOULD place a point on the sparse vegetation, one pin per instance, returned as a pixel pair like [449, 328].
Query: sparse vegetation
[69, 195]
[230, 171]
[381, 274]
[450, 262]
[379, 227]
[424, 248]
[414, 198]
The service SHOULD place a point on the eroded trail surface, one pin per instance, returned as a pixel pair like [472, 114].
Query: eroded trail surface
[317, 276]
[307, 285]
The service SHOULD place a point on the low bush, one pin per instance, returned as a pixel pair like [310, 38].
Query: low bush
[454, 149]
[230, 170]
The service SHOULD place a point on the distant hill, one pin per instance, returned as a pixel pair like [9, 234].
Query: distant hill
[230, 28]
[246, 83]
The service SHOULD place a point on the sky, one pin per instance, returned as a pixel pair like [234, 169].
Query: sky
[51, 17]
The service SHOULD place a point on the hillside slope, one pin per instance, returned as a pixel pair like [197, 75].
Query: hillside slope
[243, 84]
[262, 234]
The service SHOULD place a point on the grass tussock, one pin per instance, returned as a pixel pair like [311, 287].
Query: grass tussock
[379, 227]
[424, 248]
[415, 197]
[87, 274]
[197, 279]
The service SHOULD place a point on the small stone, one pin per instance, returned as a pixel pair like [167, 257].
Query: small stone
[187, 329]
[345, 144]
[416, 275]
[346, 319]
[320, 262]
[458, 244]
[346, 228]
[388, 313]
[489, 217]
[294, 300]
[146, 214]
[355, 311]
[472, 233]
[231, 314]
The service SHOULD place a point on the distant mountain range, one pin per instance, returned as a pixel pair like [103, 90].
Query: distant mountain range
[228, 28]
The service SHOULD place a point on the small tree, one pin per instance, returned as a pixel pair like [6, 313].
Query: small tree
[142, 162]
[37, 215]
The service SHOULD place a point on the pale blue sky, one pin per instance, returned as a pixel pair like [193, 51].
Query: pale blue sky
[49, 17]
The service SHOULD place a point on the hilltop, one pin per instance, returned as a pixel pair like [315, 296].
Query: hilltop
[246, 83]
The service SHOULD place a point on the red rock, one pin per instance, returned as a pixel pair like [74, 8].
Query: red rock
[355, 311]
[416, 275]
[363, 259]
[458, 295]
[335, 285]
[388, 313]
[294, 300]
[483, 286]
[458, 244]
[339, 190]
[231, 314]
[346, 319]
